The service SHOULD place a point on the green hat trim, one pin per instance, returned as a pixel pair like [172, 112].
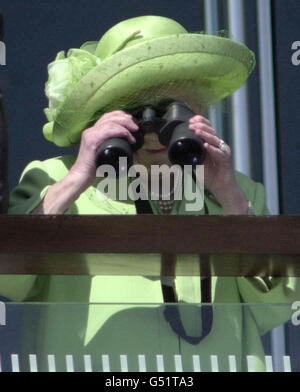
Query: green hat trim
[136, 63]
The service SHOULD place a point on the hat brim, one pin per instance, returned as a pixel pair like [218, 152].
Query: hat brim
[207, 67]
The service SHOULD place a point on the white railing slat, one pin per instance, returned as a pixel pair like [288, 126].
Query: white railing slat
[232, 363]
[214, 363]
[142, 363]
[33, 363]
[15, 363]
[160, 363]
[196, 363]
[124, 363]
[178, 363]
[51, 363]
[69, 363]
[105, 363]
[287, 363]
[87, 363]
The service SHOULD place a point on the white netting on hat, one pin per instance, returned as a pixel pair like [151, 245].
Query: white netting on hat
[155, 96]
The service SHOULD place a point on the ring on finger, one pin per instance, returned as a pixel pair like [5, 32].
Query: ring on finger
[223, 146]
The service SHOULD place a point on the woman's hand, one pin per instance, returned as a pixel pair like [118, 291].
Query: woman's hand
[110, 125]
[82, 174]
[219, 176]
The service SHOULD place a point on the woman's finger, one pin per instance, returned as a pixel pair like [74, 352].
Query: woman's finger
[206, 133]
[116, 115]
[117, 130]
[199, 119]
[216, 154]
[202, 126]
[124, 121]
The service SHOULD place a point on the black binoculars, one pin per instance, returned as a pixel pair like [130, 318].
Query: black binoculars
[170, 123]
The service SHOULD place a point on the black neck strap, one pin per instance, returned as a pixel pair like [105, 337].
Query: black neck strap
[172, 315]
[171, 312]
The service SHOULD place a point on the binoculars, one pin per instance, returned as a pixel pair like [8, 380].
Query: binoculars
[170, 123]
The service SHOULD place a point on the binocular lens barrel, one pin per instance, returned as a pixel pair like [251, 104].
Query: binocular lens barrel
[184, 147]
[111, 150]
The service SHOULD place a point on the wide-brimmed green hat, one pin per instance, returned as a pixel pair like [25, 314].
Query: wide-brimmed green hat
[143, 60]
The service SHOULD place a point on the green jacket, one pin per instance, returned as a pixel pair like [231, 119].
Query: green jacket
[130, 318]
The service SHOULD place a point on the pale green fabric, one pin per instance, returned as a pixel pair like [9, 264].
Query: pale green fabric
[127, 328]
[64, 74]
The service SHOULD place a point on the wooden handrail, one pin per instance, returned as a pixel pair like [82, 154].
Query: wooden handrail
[150, 233]
[71, 244]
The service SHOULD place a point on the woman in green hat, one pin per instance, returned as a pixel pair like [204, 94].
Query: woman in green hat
[144, 61]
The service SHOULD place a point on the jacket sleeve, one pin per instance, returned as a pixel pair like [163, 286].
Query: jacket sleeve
[33, 185]
[31, 189]
[269, 298]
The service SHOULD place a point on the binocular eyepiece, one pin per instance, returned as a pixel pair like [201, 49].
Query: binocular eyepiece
[171, 126]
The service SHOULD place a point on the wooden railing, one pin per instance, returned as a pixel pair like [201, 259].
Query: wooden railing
[70, 244]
